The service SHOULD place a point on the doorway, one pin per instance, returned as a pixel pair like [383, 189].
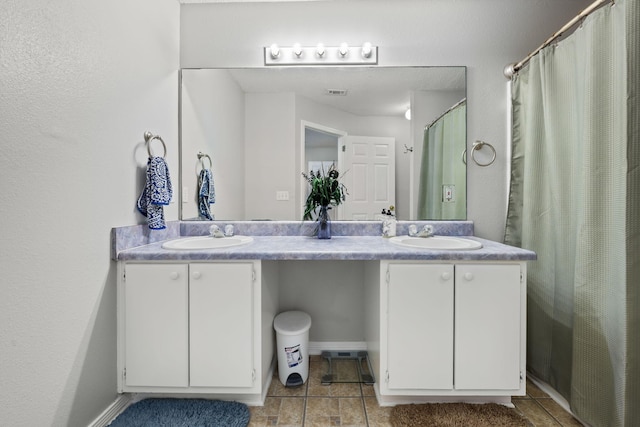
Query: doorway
[366, 163]
[320, 149]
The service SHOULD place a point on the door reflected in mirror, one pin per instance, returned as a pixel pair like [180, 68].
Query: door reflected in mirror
[263, 127]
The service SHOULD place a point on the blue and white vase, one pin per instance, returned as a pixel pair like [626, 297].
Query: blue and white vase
[324, 223]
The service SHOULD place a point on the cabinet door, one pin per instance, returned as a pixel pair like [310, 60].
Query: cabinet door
[488, 327]
[222, 333]
[156, 325]
[420, 326]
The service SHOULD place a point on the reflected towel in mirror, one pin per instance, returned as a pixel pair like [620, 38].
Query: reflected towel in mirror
[206, 194]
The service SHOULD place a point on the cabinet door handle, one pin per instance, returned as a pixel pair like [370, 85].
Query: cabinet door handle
[174, 275]
[446, 276]
[197, 275]
[468, 276]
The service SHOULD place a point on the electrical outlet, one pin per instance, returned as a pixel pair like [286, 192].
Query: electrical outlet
[282, 196]
[448, 193]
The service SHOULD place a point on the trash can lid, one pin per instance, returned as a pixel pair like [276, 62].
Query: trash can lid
[292, 322]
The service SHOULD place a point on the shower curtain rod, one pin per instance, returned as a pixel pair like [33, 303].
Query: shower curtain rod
[462, 101]
[511, 69]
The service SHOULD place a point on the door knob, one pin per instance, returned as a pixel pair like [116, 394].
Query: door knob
[468, 276]
[197, 275]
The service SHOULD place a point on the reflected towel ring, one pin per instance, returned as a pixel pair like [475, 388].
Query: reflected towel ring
[201, 157]
[148, 137]
[478, 146]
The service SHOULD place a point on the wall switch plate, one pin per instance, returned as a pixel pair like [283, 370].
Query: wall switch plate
[185, 194]
[282, 196]
[448, 193]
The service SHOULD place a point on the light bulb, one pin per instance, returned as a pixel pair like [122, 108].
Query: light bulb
[297, 50]
[366, 50]
[344, 49]
[407, 114]
[275, 51]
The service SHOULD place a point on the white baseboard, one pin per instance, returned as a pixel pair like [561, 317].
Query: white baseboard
[112, 411]
[317, 347]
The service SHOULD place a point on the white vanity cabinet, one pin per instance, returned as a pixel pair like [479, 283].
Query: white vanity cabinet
[155, 312]
[191, 327]
[451, 329]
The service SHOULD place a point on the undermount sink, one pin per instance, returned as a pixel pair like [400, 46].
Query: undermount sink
[437, 243]
[207, 242]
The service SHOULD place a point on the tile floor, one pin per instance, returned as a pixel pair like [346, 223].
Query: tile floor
[354, 404]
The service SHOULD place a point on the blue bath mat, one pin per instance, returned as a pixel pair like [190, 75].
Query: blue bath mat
[183, 413]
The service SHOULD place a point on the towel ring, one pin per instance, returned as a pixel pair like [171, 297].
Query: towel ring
[201, 157]
[148, 137]
[478, 146]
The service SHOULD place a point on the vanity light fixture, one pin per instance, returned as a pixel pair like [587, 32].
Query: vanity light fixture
[321, 55]
[407, 114]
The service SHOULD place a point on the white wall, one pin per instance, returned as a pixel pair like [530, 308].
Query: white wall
[335, 303]
[270, 130]
[203, 114]
[80, 82]
[483, 35]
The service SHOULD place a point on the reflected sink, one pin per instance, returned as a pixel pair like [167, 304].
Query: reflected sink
[437, 243]
[206, 242]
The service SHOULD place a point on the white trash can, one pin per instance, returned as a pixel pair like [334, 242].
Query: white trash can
[292, 342]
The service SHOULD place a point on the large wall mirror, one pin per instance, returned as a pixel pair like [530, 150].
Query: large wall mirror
[258, 129]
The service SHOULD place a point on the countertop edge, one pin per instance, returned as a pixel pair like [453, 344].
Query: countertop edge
[347, 248]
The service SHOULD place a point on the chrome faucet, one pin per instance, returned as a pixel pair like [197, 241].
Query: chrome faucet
[215, 231]
[427, 231]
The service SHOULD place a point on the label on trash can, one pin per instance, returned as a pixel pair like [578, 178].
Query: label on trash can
[294, 356]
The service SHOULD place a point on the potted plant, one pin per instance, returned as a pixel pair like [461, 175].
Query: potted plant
[325, 191]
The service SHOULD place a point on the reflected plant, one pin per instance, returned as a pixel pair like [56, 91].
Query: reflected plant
[325, 191]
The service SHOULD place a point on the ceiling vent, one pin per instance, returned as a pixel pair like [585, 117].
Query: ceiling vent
[336, 92]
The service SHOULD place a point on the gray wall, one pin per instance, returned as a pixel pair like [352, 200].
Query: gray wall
[80, 82]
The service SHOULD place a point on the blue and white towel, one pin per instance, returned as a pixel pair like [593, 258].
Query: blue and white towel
[157, 192]
[206, 194]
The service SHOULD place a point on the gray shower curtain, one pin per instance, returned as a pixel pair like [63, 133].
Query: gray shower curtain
[442, 165]
[575, 200]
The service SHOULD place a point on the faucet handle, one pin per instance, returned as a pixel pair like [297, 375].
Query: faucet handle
[228, 230]
[215, 231]
[413, 230]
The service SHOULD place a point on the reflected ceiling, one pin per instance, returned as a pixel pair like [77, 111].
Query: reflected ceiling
[390, 97]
